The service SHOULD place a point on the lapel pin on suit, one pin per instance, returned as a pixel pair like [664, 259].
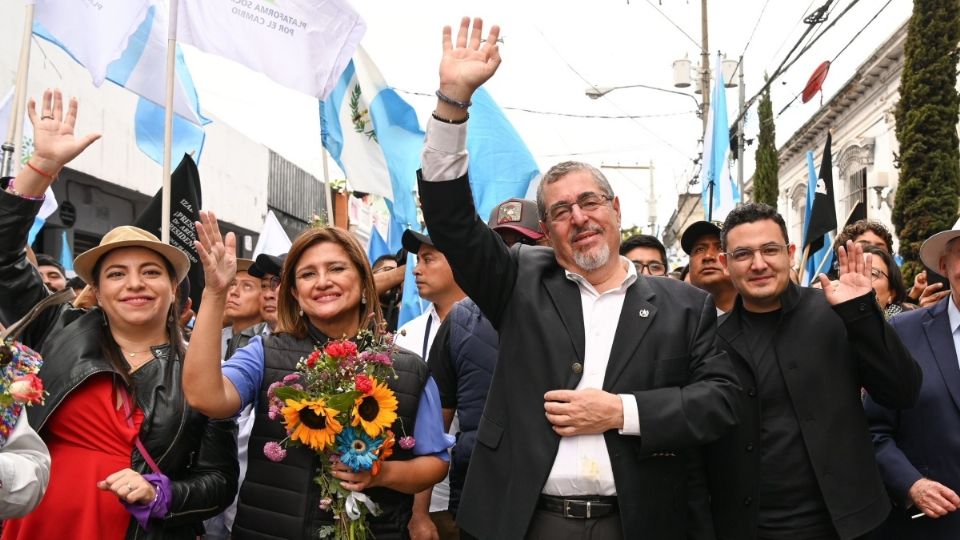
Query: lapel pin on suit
[644, 313]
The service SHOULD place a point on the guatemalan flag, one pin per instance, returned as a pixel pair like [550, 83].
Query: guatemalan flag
[128, 48]
[716, 146]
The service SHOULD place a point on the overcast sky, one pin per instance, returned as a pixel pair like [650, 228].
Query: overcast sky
[552, 51]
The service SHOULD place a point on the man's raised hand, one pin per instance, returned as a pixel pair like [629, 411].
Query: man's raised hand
[469, 63]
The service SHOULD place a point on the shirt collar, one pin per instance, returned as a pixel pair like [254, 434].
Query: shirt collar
[953, 313]
[626, 283]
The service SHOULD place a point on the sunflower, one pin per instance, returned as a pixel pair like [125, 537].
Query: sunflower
[357, 450]
[375, 411]
[311, 422]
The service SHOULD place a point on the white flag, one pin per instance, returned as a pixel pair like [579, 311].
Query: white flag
[273, 239]
[301, 44]
[95, 33]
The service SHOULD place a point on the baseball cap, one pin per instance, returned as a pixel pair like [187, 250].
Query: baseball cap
[518, 215]
[695, 231]
[267, 264]
[412, 240]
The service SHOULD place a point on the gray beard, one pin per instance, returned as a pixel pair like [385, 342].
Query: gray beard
[594, 259]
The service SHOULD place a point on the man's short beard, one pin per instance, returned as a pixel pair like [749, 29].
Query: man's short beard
[593, 259]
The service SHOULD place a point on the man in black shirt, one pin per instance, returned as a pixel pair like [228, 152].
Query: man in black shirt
[800, 465]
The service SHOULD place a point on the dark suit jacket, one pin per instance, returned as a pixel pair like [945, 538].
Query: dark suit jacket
[826, 354]
[924, 440]
[664, 354]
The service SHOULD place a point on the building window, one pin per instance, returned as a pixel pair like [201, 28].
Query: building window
[854, 193]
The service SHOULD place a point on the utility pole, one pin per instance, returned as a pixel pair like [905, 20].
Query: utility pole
[651, 199]
[741, 139]
[704, 64]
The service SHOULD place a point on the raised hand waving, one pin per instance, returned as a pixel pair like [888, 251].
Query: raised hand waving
[218, 254]
[855, 280]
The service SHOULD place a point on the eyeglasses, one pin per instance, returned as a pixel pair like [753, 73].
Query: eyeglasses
[588, 202]
[273, 283]
[875, 274]
[654, 268]
[767, 251]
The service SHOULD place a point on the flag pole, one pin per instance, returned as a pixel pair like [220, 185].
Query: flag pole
[168, 123]
[803, 261]
[13, 146]
[328, 189]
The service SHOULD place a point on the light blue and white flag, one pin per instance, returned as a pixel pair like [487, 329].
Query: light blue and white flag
[815, 260]
[66, 255]
[375, 137]
[501, 166]
[141, 68]
[93, 33]
[49, 205]
[717, 183]
[378, 246]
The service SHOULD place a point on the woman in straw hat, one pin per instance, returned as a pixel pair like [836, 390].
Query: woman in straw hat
[326, 292]
[129, 458]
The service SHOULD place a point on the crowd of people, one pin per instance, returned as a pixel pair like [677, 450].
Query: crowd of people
[563, 383]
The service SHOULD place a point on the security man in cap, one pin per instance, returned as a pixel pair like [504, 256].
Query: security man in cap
[701, 241]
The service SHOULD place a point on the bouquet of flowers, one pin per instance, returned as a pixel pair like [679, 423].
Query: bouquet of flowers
[19, 384]
[338, 404]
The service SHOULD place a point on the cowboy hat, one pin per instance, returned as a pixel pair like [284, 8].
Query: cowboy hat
[129, 236]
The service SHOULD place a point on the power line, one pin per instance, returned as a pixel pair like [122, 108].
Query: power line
[584, 79]
[675, 25]
[855, 36]
[567, 115]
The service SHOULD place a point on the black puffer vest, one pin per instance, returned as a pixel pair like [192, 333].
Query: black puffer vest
[281, 500]
[474, 344]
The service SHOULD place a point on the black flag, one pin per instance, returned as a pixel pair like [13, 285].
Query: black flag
[823, 217]
[185, 201]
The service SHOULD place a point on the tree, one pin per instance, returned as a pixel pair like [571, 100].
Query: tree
[765, 182]
[926, 116]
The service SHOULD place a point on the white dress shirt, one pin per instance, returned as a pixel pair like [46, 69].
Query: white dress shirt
[24, 470]
[582, 465]
[954, 314]
[413, 335]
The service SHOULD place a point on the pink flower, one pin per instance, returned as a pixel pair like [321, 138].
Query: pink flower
[274, 451]
[291, 377]
[325, 503]
[407, 442]
[273, 412]
[363, 383]
[272, 388]
[27, 389]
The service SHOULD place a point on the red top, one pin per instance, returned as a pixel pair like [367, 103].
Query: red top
[89, 439]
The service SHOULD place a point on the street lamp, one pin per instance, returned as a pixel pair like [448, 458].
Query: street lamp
[596, 92]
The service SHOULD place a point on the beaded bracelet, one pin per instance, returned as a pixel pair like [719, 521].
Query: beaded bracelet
[16, 193]
[448, 121]
[449, 100]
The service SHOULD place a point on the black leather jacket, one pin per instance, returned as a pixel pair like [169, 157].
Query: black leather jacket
[199, 455]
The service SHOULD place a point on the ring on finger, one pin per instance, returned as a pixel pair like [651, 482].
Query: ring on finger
[46, 117]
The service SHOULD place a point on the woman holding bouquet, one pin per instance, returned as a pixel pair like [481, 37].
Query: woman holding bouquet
[326, 293]
[129, 458]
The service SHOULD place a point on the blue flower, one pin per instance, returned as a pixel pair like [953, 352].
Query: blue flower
[357, 449]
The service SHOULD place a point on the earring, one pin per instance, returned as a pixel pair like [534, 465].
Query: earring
[301, 312]
[363, 300]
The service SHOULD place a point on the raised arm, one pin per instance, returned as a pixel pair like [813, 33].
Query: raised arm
[54, 146]
[204, 384]
[481, 263]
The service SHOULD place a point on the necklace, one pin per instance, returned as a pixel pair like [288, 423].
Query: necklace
[133, 354]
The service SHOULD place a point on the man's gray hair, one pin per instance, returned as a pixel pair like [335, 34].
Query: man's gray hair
[560, 170]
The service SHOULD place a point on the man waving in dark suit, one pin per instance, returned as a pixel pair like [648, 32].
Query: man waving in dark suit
[605, 381]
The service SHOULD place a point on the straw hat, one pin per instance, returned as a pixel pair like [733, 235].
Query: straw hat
[243, 265]
[128, 236]
[933, 247]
